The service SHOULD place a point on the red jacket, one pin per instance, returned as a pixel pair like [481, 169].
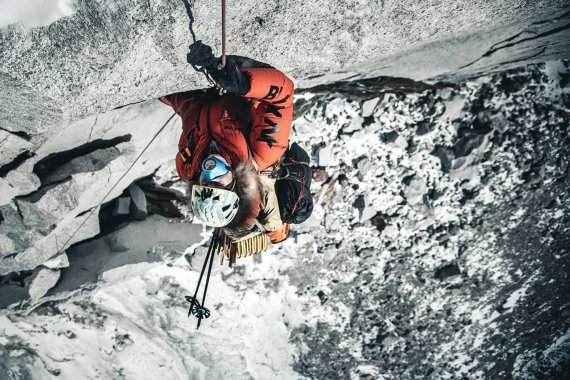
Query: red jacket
[261, 119]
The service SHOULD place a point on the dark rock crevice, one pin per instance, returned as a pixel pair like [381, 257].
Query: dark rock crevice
[372, 87]
[142, 198]
[50, 164]
[20, 134]
[15, 163]
[513, 40]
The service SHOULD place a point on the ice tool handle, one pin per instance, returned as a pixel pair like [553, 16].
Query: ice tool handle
[198, 309]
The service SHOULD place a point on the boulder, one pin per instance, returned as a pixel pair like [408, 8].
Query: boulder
[122, 206]
[138, 205]
[43, 280]
[415, 191]
[369, 106]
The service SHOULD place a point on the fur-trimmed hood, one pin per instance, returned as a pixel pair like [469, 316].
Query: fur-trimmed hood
[248, 188]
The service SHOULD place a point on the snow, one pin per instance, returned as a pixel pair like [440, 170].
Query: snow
[555, 358]
[369, 106]
[515, 297]
[34, 13]
[124, 333]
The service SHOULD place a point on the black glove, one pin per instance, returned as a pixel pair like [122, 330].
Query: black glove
[231, 79]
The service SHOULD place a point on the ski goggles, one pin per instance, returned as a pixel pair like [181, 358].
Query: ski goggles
[214, 167]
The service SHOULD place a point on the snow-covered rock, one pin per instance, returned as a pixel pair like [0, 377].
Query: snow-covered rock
[454, 281]
[80, 167]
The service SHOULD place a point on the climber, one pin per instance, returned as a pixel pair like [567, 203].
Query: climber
[228, 140]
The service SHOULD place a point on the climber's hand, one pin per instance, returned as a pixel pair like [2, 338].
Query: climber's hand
[230, 79]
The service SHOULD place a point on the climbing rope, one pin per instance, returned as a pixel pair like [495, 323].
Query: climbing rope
[198, 309]
[118, 181]
[223, 33]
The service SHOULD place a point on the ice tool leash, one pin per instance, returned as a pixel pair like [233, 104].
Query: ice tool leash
[198, 309]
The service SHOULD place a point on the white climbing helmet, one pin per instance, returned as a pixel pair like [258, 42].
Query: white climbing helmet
[214, 207]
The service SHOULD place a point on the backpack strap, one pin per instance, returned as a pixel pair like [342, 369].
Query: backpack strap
[259, 225]
[186, 153]
[252, 158]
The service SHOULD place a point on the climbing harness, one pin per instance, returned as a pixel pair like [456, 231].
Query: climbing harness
[118, 181]
[198, 309]
[232, 250]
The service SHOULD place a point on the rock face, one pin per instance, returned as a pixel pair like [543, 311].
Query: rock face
[106, 55]
[42, 282]
[110, 54]
[469, 280]
[504, 46]
[52, 198]
[466, 226]
[438, 246]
